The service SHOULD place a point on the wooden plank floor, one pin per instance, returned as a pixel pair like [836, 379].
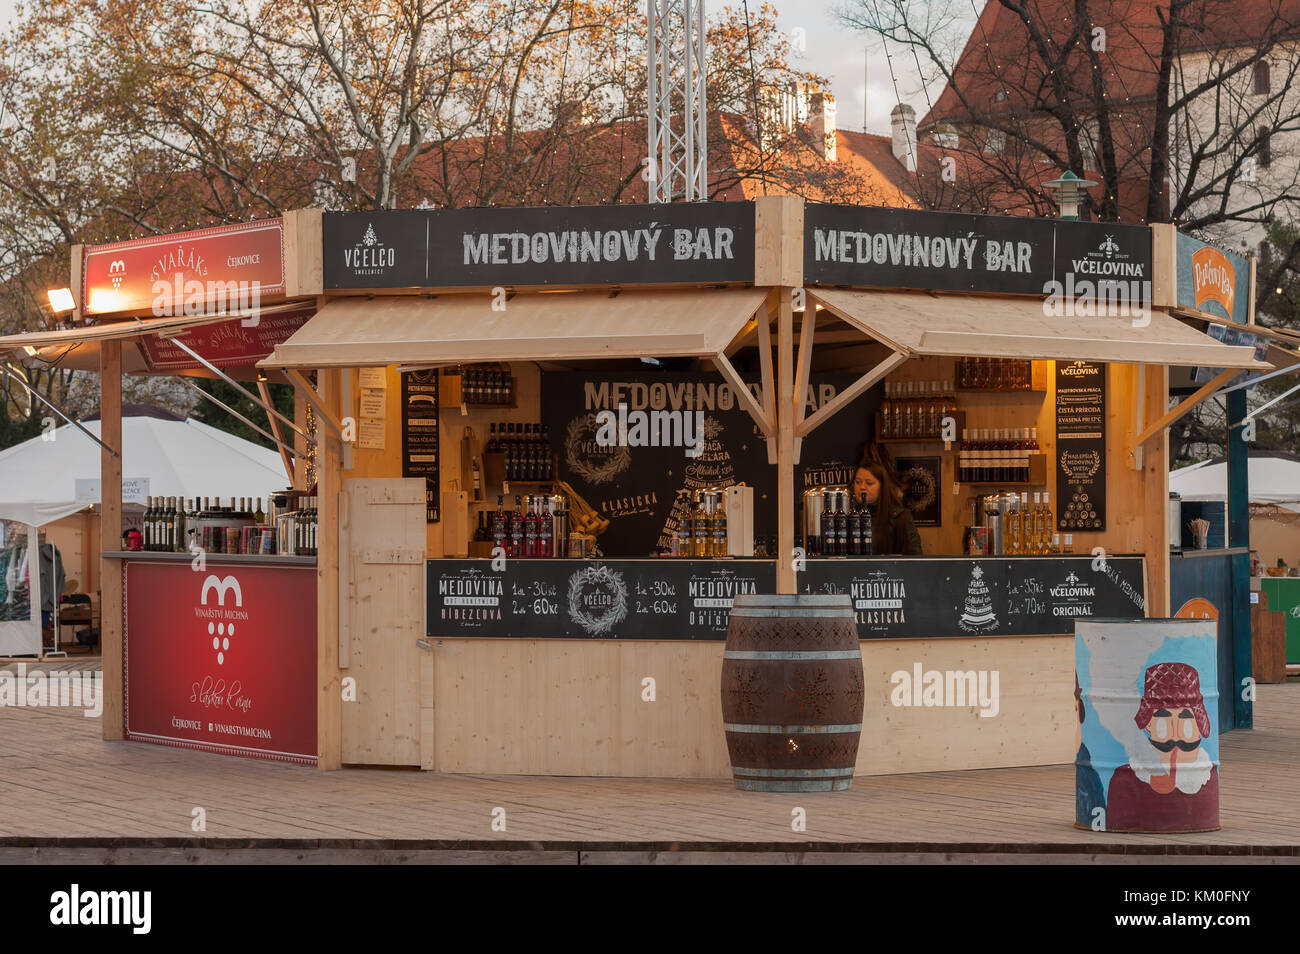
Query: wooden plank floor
[58, 779]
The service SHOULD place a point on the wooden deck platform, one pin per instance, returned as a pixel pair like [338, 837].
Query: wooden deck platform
[66, 794]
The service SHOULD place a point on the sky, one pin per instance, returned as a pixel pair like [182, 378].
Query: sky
[830, 49]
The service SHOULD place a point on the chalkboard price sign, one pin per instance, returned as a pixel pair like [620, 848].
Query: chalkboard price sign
[692, 599]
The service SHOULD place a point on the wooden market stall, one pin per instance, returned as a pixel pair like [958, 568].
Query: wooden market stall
[793, 331]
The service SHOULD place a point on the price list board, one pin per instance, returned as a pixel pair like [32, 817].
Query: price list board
[1080, 446]
[420, 435]
[1029, 596]
[616, 599]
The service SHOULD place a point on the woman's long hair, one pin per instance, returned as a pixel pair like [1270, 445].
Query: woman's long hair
[891, 497]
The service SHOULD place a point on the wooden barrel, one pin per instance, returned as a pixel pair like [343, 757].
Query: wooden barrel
[792, 693]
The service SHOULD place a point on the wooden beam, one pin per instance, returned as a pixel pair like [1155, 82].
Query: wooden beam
[786, 582]
[1201, 393]
[1155, 485]
[264, 389]
[306, 390]
[329, 481]
[746, 396]
[765, 368]
[843, 399]
[111, 642]
[807, 330]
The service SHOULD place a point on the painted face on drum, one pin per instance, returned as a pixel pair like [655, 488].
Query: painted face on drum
[1168, 731]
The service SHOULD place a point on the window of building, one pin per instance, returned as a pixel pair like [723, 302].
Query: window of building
[996, 142]
[1265, 146]
[1263, 83]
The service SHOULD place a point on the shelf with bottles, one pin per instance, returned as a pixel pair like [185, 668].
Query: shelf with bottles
[913, 411]
[529, 531]
[477, 386]
[1001, 456]
[1007, 375]
[518, 453]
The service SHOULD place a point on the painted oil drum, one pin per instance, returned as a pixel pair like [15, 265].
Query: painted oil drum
[792, 693]
[1148, 709]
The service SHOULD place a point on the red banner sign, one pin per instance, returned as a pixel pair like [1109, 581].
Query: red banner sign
[1213, 278]
[227, 344]
[222, 659]
[229, 267]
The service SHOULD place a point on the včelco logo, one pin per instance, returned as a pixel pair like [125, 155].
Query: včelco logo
[369, 256]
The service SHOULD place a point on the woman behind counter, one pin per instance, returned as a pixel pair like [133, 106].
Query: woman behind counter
[892, 529]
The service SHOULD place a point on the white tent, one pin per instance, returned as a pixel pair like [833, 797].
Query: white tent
[1273, 480]
[176, 458]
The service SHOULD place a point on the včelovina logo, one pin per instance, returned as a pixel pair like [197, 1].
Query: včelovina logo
[1106, 282]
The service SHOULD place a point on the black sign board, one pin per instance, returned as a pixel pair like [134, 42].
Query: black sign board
[634, 483]
[420, 435]
[1080, 446]
[627, 599]
[576, 245]
[1031, 596]
[902, 248]
[691, 599]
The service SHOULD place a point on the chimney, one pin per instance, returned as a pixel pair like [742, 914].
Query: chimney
[902, 124]
[821, 112]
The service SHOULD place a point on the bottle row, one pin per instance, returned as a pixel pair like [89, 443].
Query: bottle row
[526, 449]
[916, 409]
[176, 524]
[992, 455]
[1030, 529]
[994, 374]
[529, 531]
[490, 384]
[835, 524]
[701, 523]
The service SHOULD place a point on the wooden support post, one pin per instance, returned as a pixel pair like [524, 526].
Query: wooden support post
[1238, 535]
[807, 329]
[765, 367]
[1201, 393]
[329, 485]
[110, 540]
[845, 397]
[300, 407]
[787, 401]
[746, 396]
[1155, 474]
[264, 389]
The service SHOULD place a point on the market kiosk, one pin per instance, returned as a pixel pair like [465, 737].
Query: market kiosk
[609, 666]
[793, 330]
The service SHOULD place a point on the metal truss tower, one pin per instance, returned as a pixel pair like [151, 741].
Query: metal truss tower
[678, 127]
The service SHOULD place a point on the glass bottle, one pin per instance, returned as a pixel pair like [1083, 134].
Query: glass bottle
[828, 524]
[531, 536]
[720, 527]
[1049, 519]
[868, 530]
[1035, 542]
[1011, 537]
[545, 531]
[855, 528]
[258, 515]
[842, 526]
[1067, 545]
[963, 456]
[700, 529]
[886, 412]
[517, 530]
[499, 524]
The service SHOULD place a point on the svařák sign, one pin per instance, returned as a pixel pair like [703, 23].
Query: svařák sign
[709, 242]
[942, 251]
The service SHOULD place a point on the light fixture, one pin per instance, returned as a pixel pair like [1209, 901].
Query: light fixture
[61, 300]
[1070, 190]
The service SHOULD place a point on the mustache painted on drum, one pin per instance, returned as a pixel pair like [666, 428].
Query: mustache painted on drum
[1169, 746]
